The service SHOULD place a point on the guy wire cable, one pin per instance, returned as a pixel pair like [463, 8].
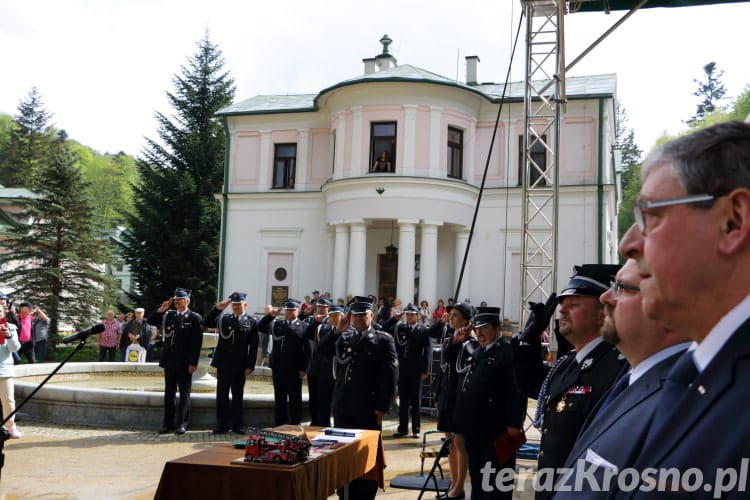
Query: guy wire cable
[487, 163]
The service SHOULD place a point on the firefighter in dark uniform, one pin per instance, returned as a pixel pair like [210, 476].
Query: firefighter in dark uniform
[320, 374]
[489, 403]
[182, 333]
[233, 358]
[290, 355]
[414, 357]
[575, 383]
[366, 367]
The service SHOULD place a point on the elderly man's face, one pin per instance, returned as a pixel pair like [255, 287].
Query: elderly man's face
[109, 316]
[674, 253]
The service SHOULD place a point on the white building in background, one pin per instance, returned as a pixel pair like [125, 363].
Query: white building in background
[306, 206]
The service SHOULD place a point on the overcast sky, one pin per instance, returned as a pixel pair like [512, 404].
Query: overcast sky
[103, 67]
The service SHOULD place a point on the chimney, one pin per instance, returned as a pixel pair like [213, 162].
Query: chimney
[471, 70]
[369, 65]
[385, 60]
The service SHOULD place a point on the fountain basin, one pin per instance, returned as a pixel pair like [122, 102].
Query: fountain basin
[59, 403]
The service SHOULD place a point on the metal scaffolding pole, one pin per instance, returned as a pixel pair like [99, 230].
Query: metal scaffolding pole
[543, 97]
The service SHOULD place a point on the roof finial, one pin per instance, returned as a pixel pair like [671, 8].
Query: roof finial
[386, 41]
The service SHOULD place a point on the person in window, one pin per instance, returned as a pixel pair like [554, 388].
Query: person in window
[382, 163]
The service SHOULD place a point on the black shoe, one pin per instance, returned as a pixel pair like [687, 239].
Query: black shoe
[165, 429]
[399, 434]
[180, 430]
[220, 430]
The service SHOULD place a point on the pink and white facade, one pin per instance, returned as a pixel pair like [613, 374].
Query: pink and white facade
[306, 208]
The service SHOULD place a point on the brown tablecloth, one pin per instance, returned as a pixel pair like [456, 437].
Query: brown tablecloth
[210, 473]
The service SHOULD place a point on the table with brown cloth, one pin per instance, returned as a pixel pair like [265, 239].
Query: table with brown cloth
[210, 473]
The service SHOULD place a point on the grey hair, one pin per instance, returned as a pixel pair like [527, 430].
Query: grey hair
[712, 160]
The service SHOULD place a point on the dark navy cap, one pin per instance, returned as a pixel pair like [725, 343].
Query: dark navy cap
[360, 305]
[337, 309]
[237, 297]
[316, 291]
[411, 308]
[181, 293]
[291, 304]
[487, 316]
[590, 280]
[466, 309]
[323, 302]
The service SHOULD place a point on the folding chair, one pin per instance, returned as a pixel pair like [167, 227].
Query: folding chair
[430, 482]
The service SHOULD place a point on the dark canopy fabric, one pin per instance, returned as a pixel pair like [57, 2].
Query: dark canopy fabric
[607, 5]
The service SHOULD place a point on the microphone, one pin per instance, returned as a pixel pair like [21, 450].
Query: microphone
[84, 334]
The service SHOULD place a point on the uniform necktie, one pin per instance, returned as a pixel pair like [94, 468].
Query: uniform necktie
[618, 388]
[679, 378]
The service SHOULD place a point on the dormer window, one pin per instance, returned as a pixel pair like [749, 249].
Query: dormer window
[383, 147]
[284, 165]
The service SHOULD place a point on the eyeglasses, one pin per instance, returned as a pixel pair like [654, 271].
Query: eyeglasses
[682, 200]
[618, 287]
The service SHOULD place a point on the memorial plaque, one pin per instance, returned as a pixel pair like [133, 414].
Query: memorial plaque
[279, 294]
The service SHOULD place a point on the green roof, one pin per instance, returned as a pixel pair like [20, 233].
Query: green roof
[575, 86]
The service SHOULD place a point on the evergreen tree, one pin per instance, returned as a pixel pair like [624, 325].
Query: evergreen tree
[174, 237]
[54, 254]
[630, 160]
[30, 141]
[710, 90]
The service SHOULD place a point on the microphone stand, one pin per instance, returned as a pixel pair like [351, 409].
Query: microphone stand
[4, 435]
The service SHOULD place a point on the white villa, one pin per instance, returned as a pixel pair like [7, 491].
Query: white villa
[317, 186]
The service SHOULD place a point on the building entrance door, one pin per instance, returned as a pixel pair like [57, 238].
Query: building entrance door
[387, 273]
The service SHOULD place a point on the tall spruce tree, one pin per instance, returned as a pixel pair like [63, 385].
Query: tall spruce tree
[630, 168]
[54, 253]
[710, 90]
[30, 141]
[174, 236]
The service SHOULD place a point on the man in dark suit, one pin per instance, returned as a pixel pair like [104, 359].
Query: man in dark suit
[489, 405]
[691, 242]
[366, 375]
[182, 332]
[613, 434]
[576, 382]
[320, 327]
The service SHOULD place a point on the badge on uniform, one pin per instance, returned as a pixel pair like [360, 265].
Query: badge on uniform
[586, 363]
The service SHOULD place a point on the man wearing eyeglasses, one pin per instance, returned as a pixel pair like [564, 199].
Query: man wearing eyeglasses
[578, 380]
[616, 429]
[692, 246]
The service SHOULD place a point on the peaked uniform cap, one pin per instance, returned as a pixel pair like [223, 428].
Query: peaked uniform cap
[181, 293]
[237, 297]
[487, 316]
[590, 280]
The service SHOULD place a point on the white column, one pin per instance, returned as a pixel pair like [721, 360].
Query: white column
[428, 262]
[327, 285]
[338, 167]
[341, 261]
[407, 230]
[356, 160]
[436, 146]
[410, 137]
[462, 239]
[266, 160]
[303, 163]
[357, 252]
